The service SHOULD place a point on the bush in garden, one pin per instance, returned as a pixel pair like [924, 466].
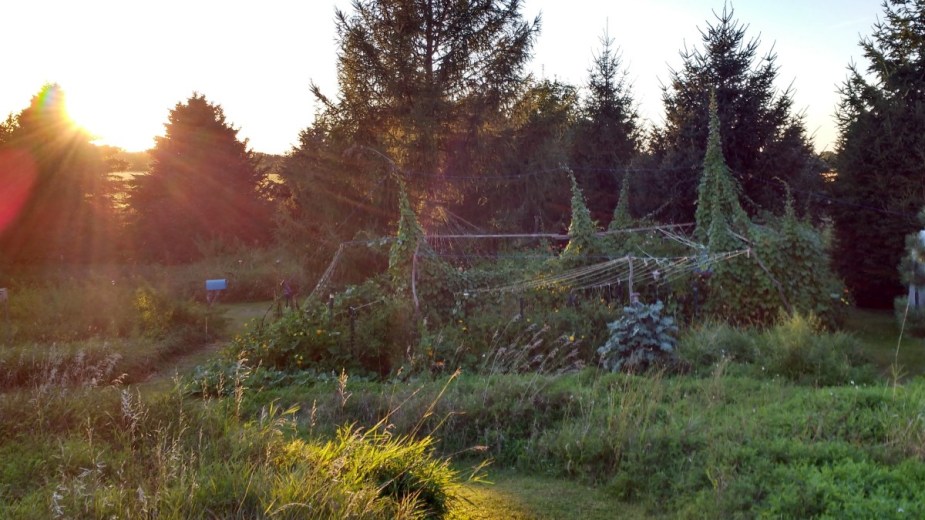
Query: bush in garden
[798, 349]
[320, 338]
[69, 310]
[788, 266]
[182, 322]
[640, 339]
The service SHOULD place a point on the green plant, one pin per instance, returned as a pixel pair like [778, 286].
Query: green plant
[641, 338]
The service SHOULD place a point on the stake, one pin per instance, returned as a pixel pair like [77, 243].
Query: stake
[353, 315]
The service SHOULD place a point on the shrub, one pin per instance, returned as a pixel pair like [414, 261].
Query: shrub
[641, 338]
[706, 345]
[70, 310]
[799, 349]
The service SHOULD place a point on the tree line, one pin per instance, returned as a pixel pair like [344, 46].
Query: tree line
[435, 97]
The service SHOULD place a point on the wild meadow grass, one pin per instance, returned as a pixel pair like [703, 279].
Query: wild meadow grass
[785, 422]
[110, 452]
[714, 446]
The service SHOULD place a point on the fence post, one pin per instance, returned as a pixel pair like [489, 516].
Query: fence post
[353, 316]
[330, 310]
[630, 288]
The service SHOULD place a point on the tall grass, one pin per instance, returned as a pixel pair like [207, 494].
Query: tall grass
[110, 452]
[715, 446]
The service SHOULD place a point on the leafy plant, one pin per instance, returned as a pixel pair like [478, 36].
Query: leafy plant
[641, 338]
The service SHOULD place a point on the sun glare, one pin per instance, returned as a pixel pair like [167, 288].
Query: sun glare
[109, 123]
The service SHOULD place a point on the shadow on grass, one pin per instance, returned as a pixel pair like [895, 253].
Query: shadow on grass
[880, 333]
[515, 496]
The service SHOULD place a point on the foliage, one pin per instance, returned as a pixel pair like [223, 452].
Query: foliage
[203, 184]
[542, 123]
[717, 191]
[581, 231]
[58, 205]
[407, 244]
[881, 117]
[762, 137]
[368, 333]
[795, 347]
[123, 454]
[608, 133]
[641, 339]
[719, 446]
[787, 263]
[423, 89]
[622, 218]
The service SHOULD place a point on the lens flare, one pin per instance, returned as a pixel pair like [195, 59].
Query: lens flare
[17, 177]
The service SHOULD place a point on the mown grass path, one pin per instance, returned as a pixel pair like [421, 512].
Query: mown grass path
[237, 316]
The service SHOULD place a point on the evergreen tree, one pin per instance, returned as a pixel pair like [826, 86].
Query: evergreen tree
[761, 136]
[880, 154]
[539, 138]
[203, 185]
[608, 133]
[53, 203]
[423, 89]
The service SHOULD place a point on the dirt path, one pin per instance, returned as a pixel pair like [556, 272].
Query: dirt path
[239, 315]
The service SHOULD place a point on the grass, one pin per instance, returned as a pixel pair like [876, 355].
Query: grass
[722, 443]
[880, 333]
[516, 496]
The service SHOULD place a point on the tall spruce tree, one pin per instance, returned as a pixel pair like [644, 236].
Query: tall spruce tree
[608, 132]
[881, 151]
[202, 186]
[539, 138]
[53, 204]
[424, 83]
[762, 137]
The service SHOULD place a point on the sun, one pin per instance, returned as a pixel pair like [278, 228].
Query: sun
[110, 123]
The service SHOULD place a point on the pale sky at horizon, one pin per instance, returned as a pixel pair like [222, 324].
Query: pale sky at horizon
[124, 64]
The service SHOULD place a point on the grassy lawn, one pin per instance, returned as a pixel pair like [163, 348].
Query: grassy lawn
[516, 496]
[880, 333]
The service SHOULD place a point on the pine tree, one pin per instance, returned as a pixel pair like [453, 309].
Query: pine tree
[61, 212]
[608, 133]
[761, 136]
[424, 83]
[541, 124]
[880, 154]
[202, 186]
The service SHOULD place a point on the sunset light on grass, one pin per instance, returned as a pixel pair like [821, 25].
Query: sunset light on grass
[462, 259]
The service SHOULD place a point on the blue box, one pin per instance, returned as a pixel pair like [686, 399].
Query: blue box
[216, 285]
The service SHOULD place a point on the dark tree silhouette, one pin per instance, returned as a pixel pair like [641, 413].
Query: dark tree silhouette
[763, 139]
[203, 185]
[54, 205]
[881, 151]
[608, 134]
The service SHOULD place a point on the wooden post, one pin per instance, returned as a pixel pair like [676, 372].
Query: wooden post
[353, 317]
[330, 310]
[414, 276]
[630, 288]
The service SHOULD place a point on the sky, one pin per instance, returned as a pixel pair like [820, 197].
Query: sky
[124, 64]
